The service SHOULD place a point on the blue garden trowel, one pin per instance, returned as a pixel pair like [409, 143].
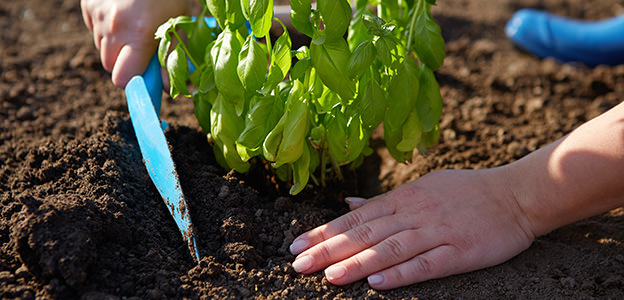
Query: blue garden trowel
[143, 94]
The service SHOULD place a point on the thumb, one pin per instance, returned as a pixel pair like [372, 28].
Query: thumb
[132, 60]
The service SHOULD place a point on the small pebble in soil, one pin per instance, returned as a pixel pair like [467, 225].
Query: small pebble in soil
[24, 113]
[224, 192]
[21, 272]
[568, 282]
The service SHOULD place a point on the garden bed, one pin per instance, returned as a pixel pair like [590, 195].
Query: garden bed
[80, 218]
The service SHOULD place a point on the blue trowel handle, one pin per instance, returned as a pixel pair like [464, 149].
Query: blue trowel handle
[548, 35]
[153, 82]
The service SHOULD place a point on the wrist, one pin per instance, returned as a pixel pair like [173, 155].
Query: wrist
[531, 188]
[516, 197]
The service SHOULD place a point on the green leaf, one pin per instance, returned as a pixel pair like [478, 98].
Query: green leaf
[298, 71]
[273, 139]
[427, 39]
[281, 60]
[357, 30]
[403, 94]
[386, 46]
[164, 31]
[393, 137]
[183, 22]
[225, 128]
[296, 126]
[260, 16]
[300, 16]
[163, 49]
[336, 125]
[317, 134]
[373, 105]
[245, 8]
[429, 138]
[336, 17]
[301, 170]
[217, 9]
[225, 59]
[201, 109]
[177, 68]
[429, 104]
[252, 65]
[234, 14]
[327, 101]
[375, 25]
[206, 79]
[200, 37]
[362, 58]
[412, 133]
[331, 60]
[264, 113]
[357, 137]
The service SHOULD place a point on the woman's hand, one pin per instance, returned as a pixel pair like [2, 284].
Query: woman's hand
[444, 223]
[123, 32]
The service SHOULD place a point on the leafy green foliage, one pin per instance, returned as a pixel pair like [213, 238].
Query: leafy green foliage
[362, 69]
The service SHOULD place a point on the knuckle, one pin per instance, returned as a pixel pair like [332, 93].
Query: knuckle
[99, 16]
[353, 219]
[364, 234]
[324, 252]
[395, 248]
[423, 265]
[398, 275]
[320, 232]
[356, 265]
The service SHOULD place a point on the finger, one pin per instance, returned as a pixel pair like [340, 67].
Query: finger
[132, 60]
[394, 250]
[86, 17]
[97, 40]
[436, 263]
[345, 222]
[109, 51]
[349, 243]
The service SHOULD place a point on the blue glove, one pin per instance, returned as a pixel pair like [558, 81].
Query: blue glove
[568, 40]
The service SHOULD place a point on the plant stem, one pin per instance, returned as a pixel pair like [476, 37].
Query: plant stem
[268, 43]
[336, 167]
[323, 162]
[411, 27]
[188, 53]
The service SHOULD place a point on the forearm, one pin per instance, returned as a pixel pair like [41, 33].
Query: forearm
[576, 177]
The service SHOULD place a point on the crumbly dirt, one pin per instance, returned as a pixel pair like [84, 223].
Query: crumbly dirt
[80, 218]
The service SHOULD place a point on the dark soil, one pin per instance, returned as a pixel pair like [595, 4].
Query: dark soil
[80, 218]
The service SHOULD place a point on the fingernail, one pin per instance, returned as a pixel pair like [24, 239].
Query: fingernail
[355, 202]
[303, 263]
[375, 279]
[335, 272]
[298, 246]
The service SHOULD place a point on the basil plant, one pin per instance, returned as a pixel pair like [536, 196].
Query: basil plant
[311, 110]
